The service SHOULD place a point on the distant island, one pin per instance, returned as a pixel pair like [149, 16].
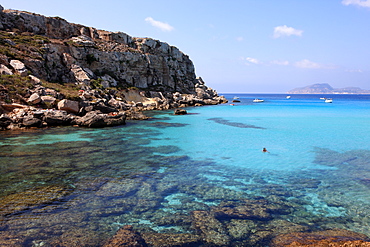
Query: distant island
[325, 88]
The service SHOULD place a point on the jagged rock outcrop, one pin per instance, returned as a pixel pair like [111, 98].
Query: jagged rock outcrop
[76, 53]
[102, 71]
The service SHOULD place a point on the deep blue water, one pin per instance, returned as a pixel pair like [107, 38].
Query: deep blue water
[148, 172]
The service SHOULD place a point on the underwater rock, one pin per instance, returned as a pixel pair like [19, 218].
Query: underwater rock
[246, 209]
[332, 238]
[8, 239]
[211, 230]
[75, 237]
[168, 240]
[126, 236]
[121, 188]
[16, 203]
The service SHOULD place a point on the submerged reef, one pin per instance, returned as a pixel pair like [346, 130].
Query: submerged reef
[90, 193]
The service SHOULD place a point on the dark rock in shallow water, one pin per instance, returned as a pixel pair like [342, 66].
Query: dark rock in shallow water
[180, 112]
[332, 238]
[126, 236]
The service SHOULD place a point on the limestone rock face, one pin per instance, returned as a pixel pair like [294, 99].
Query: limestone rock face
[19, 67]
[80, 54]
[5, 70]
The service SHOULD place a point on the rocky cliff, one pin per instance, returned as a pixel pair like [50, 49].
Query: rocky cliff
[41, 56]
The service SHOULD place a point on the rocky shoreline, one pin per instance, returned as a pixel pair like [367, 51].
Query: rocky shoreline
[96, 110]
[53, 72]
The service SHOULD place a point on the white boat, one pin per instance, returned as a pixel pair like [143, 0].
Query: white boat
[323, 98]
[258, 100]
[236, 97]
[329, 101]
[288, 97]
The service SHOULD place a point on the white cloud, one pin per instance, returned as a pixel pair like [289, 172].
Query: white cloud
[251, 60]
[280, 62]
[354, 71]
[281, 31]
[307, 64]
[360, 3]
[239, 39]
[158, 24]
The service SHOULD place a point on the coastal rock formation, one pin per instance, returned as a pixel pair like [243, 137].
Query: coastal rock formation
[49, 63]
[325, 88]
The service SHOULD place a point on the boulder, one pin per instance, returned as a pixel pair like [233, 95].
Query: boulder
[55, 118]
[5, 70]
[48, 99]
[34, 99]
[103, 108]
[5, 121]
[31, 122]
[19, 67]
[97, 119]
[69, 106]
[180, 112]
[34, 79]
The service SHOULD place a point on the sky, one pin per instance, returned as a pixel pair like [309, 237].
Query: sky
[253, 46]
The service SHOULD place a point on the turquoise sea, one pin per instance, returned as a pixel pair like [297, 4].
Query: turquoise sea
[64, 183]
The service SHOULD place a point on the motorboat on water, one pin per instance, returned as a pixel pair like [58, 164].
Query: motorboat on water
[288, 97]
[236, 97]
[258, 100]
[328, 100]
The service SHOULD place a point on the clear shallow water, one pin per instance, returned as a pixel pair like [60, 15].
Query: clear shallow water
[153, 174]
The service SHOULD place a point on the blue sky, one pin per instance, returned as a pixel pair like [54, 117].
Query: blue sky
[241, 45]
